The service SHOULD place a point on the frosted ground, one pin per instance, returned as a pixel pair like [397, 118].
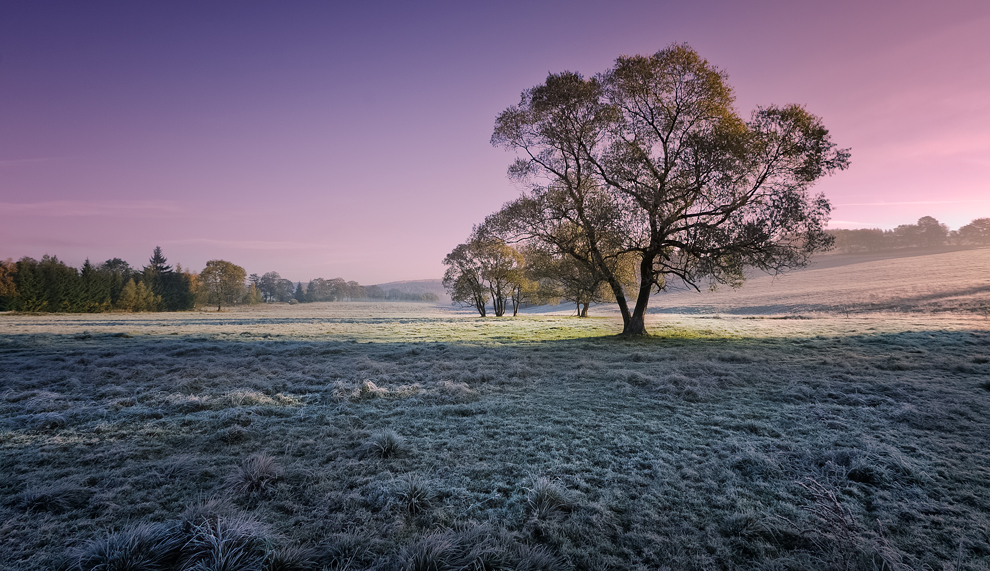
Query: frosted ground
[832, 419]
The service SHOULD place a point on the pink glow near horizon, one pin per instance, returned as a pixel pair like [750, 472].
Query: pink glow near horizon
[321, 141]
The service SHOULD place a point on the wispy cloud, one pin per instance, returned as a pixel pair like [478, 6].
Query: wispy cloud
[74, 208]
[265, 245]
[20, 162]
[895, 203]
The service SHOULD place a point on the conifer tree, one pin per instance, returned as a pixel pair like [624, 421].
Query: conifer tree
[128, 300]
[146, 299]
[95, 289]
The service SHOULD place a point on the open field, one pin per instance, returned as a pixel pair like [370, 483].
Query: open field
[400, 436]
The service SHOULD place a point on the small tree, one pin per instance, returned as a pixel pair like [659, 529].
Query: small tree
[485, 268]
[128, 300]
[253, 296]
[223, 282]
[269, 285]
[463, 279]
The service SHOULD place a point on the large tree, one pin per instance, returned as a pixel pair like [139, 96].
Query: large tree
[223, 282]
[651, 160]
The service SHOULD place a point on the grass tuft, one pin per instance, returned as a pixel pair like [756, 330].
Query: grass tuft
[56, 498]
[434, 552]
[142, 547]
[547, 499]
[293, 558]
[255, 477]
[414, 494]
[539, 558]
[385, 444]
[226, 544]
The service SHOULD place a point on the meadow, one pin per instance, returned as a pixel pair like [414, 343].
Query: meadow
[835, 418]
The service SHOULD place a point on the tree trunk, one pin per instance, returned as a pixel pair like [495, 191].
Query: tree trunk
[479, 304]
[636, 324]
[584, 310]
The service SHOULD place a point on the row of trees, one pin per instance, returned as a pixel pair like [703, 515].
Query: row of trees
[50, 285]
[272, 287]
[927, 233]
[487, 270]
[647, 169]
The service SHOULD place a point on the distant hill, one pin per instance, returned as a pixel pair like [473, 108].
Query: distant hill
[418, 286]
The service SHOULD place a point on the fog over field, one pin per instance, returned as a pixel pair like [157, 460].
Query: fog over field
[833, 418]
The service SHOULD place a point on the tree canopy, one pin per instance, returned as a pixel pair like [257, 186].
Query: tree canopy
[650, 160]
[223, 282]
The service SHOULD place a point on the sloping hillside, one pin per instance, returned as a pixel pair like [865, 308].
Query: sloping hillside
[957, 281]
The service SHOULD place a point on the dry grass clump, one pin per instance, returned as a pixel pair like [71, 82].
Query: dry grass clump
[548, 499]
[385, 443]
[294, 558]
[255, 477]
[369, 390]
[414, 494]
[226, 543]
[56, 498]
[141, 547]
[452, 393]
[476, 548]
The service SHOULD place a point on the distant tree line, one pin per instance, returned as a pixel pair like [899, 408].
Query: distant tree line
[50, 285]
[927, 233]
[271, 287]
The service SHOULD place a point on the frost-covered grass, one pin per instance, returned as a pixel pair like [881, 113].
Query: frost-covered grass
[406, 436]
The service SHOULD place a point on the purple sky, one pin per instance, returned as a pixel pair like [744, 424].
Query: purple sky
[332, 139]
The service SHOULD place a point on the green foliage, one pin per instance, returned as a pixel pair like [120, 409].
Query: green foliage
[223, 283]
[47, 285]
[135, 296]
[51, 286]
[173, 288]
[485, 268]
[252, 296]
